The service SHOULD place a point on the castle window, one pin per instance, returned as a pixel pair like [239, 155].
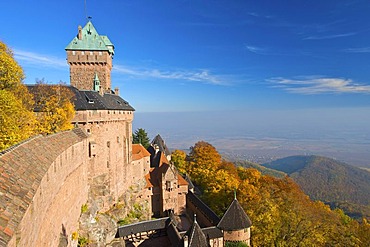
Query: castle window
[118, 139]
[168, 185]
[92, 149]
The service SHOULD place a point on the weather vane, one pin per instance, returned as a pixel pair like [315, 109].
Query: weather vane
[87, 17]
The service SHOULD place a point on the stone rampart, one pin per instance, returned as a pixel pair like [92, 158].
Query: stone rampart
[43, 184]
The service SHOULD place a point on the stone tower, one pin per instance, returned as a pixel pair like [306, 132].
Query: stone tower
[89, 56]
[236, 224]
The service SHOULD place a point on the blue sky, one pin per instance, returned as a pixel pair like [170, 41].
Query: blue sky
[272, 67]
[178, 55]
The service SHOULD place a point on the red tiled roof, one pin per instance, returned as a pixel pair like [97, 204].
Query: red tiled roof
[181, 180]
[163, 159]
[139, 152]
[148, 182]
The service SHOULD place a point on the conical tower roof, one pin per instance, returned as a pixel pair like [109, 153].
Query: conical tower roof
[196, 236]
[235, 218]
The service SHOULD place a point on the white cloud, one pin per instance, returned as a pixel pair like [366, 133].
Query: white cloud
[201, 75]
[320, 85]
[198, 75]
[257, 50]
[39, 59]
[334, 36]
[358, 50]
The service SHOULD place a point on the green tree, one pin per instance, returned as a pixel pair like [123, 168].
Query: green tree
[141, 137]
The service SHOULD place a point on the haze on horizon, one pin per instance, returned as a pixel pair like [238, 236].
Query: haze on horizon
[264, 135]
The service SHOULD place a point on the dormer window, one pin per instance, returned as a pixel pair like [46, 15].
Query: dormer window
[90, 101]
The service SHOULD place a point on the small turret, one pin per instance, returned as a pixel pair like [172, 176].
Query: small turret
[195, 236]
[96, 83]
[235, 224]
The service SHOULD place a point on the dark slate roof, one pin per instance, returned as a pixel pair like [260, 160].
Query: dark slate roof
[212, 232]
[93, 100]
[190, 183]
[173, 235]
[202, 208]
[144, 226]
[196, 236]
[161, 145]
[235, 218]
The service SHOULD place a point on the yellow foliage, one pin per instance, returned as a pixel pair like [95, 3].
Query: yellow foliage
[16, 122]
[55, 110]
[178, 159]
[11, 74]
[281, 214]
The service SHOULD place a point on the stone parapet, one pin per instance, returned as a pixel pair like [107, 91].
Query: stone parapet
[96, 116]
[43, 185]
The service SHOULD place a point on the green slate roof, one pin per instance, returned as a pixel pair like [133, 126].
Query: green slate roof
[91, 41]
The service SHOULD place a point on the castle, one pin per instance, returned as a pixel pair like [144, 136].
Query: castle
[45, 180]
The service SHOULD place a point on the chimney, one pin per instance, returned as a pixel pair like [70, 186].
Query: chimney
[186, 241]
[156, 148]
[101, 91]
[116, 91]
[79, 36]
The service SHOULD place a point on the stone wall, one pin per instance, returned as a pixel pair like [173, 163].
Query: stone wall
[110, 153]
[43, 185]
[84, 65]
[242, 235]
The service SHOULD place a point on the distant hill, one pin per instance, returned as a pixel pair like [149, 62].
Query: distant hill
[262, 169]
[333, 182]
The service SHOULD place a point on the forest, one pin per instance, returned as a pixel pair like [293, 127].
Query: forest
[336, 183]
[281, 213]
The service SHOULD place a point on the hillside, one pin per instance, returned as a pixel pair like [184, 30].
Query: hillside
[260, 168]
[330, 181]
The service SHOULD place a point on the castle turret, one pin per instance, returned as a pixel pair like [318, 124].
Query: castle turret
[235, 224]
[195, 236]
[90, 54]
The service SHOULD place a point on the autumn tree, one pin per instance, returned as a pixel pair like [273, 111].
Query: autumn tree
[141, 137]
[17, 120]
[54, 107]
[17, 123]
[178, 158]
[203, 161]
[281, 214]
